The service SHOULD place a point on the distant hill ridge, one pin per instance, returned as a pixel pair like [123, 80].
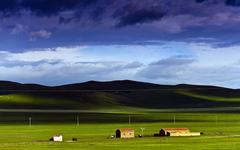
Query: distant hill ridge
[97, 85]
[115, 94]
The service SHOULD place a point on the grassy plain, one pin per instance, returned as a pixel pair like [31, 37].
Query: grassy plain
[221, 131]
[102, 107]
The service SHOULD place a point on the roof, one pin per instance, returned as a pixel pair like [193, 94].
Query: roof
[126, 129]
[175, 129]
[57, 135]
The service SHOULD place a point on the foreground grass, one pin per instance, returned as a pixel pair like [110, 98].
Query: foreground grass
[95, 137]
[223, 133]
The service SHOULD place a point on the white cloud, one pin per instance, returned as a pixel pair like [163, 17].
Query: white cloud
[62, 65]
[40, 34]
[62, 73]
[167, 69]
[19, 28]
[200, 64]
[209, 66]
[66, 54]
[214, 56]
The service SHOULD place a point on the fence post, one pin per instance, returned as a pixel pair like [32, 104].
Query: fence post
[129, 119]
[216, 119]
[174, 119]
[30, 121]
[77, 120]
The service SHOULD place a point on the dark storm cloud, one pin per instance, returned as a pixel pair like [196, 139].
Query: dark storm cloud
[200, 1]
[226, 2]
[140, 16]
[51, 7]
[121, 12]
[97, 13]
[63, 20]
[130, 12]
[125, 12]
[67, 22]
[233, 2]
[46, 7]
[6, 5]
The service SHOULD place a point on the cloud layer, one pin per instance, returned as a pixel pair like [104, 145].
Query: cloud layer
[162, 41]
[74, 22]
[62, 65]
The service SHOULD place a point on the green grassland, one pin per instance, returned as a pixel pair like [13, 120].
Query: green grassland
[157, 99]
[45, 100]
[221, 131]
[213, 111]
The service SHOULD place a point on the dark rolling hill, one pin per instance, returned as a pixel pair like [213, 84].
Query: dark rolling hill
[11, 86]
[125, 93]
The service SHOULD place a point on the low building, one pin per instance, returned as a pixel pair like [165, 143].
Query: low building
[168, 131]
[57, 138]
[125, 133]
[184, 134]
[177, 132]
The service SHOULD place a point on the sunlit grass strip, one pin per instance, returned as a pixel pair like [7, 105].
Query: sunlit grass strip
[21, 99]
[208, 97]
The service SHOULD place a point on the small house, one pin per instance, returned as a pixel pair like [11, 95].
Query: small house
[125, 133]
[57, 138]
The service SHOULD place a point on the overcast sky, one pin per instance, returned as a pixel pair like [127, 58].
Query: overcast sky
[55, 42]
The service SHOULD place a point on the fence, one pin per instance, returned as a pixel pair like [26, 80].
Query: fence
[78, 118]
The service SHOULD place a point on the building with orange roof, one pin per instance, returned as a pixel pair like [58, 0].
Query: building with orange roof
[125, 133]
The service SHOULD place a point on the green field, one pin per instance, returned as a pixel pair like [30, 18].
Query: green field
[102, 107]
[221, 131]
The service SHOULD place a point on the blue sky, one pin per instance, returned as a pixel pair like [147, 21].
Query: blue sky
[55, 42]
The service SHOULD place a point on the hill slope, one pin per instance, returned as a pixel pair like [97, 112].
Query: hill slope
[126, 93]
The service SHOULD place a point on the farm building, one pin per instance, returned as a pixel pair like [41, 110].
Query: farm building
[57, 138]
[185, 134]
[177, 132]
[168, 131]
[125, 133]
